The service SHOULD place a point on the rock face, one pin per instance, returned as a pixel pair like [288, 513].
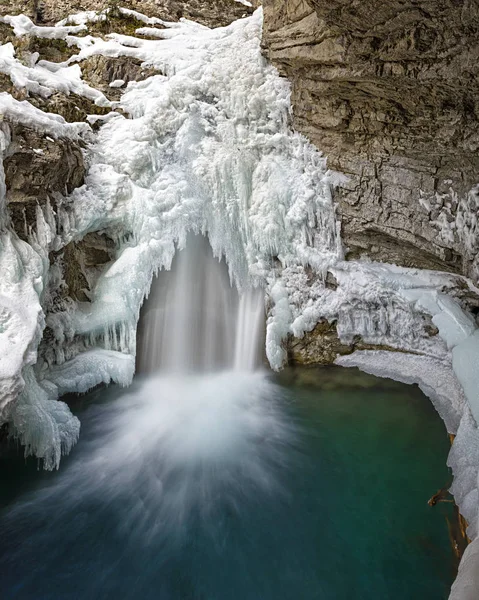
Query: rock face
[37, 169]
[211, 13]
[102, 70]
[389, 91]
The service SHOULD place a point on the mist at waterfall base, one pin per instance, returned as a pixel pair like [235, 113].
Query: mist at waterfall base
[211, 479]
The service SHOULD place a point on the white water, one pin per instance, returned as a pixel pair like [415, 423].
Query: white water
[249, 329]
[204, 429]
[195, 320]
[207, 147]
[204, 426]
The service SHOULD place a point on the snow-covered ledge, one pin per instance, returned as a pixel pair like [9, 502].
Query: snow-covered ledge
[467, 583]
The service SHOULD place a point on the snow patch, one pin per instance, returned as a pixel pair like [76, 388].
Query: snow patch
[22, 25]
[34, 118]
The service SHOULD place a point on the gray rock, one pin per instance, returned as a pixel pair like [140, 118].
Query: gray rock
[389, 92]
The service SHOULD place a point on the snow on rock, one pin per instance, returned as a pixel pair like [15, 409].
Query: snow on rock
[93, 16]
[464, 462]
[453, 323]
[118, 83]
[467, 583]
[459, 330]
[372, 300]
[45, 78]
[22, 25]
[34, 118]
[89, 369]
[44, 426]
[21, 316]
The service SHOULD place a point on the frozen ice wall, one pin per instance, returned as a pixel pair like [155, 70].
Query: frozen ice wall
[206, 147]
[209, 149]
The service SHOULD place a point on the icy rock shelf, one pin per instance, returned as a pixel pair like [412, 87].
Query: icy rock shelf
[208, 148]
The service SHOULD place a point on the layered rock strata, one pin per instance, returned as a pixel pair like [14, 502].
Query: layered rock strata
[389, 92]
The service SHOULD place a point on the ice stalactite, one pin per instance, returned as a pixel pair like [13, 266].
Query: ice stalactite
[44, 426]
[208, 149]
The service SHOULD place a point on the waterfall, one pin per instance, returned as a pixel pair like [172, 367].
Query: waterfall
[195, 321]
[249, 329]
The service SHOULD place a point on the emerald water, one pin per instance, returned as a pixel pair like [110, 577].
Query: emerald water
[311, 484]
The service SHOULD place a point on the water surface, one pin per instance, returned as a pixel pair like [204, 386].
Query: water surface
[312, 484]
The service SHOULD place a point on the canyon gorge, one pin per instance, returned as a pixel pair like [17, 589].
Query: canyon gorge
[327, 150]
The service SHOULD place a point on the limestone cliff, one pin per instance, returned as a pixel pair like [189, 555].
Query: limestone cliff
[389, 92]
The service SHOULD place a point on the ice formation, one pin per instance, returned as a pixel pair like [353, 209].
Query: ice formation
[208, 148]
[46, 78]
[448, 383]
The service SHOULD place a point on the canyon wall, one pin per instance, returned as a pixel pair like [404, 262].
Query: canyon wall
[389, 91]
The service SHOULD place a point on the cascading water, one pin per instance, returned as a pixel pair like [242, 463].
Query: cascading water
[195, 321]
[201, 430]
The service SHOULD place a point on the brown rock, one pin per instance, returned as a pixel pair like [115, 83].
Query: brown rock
[38, 168]
[99, 71]
[322, 346]
[81, 262]
[319, 346]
